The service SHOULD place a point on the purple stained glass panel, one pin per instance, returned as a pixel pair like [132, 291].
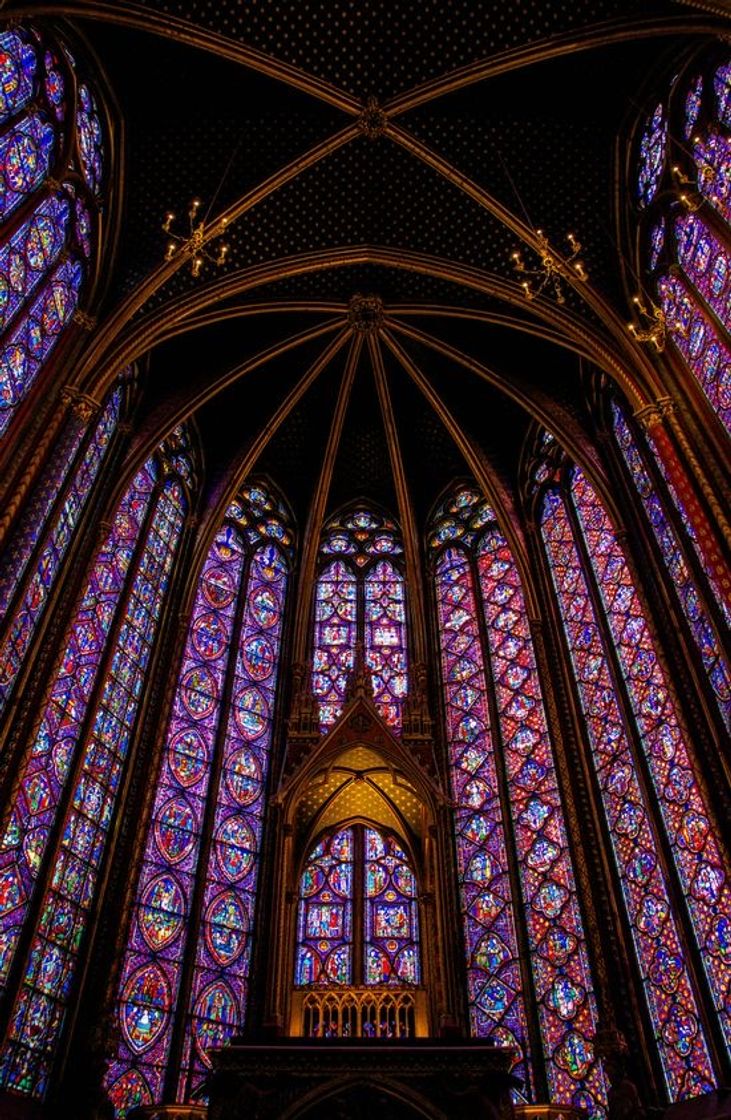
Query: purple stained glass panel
[686, 817]
[706, 263]
[39, 1008]
[27, 256]
[385, 639]
[652, 155]
[391, 947]
[335, 635]
[671, 999]
[722, 90]
[700, 344]
[18, 66]
[15, 642]
[25, 157]
[89, 134]
[30, 343]
[700, 623]
[325, 914]
[217, 1003]
[494, 979]
[712, 154]
[48, 764]
[693, 105]
[55, 85]
[558, 953]
[151, 969]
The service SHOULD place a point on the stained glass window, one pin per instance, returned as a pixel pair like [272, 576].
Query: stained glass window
[78, 755]
[722, 90]
[690, 263]
[325, 915]
[360, 598]
[182, 960]
[608, 677]
[699, 618]
[509, 814]
[34, 555]
[44, 258]
[358, 870]
[652, 155]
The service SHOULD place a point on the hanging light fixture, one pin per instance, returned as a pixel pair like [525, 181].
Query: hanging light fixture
[552, 270]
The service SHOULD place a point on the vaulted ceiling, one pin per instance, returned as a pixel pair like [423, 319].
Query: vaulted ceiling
[382, 147]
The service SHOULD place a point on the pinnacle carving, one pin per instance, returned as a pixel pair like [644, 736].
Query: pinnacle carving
[417, 721]
[304, 717]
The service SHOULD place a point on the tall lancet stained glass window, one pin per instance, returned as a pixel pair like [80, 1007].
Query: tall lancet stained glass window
[50, 866]
[527, 962]
[34, 554]
[51, 174]
[697, 594]
[686, 148]
[646, 779]
[362, 871]
[360, 602]
[184, 973]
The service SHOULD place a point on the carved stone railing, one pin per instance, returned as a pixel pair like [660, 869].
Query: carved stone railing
[359, 1012]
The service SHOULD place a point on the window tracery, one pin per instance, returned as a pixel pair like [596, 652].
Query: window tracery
[51, 155]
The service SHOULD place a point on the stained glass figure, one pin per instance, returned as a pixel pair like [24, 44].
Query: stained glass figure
[479, 577]
[671, 999]
[18, 65]
[214, 768]
[97, 686]
[44, 262]
[360, 596]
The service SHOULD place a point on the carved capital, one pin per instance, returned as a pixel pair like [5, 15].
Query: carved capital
[650, 415]
[82, 405]
[84, 320]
